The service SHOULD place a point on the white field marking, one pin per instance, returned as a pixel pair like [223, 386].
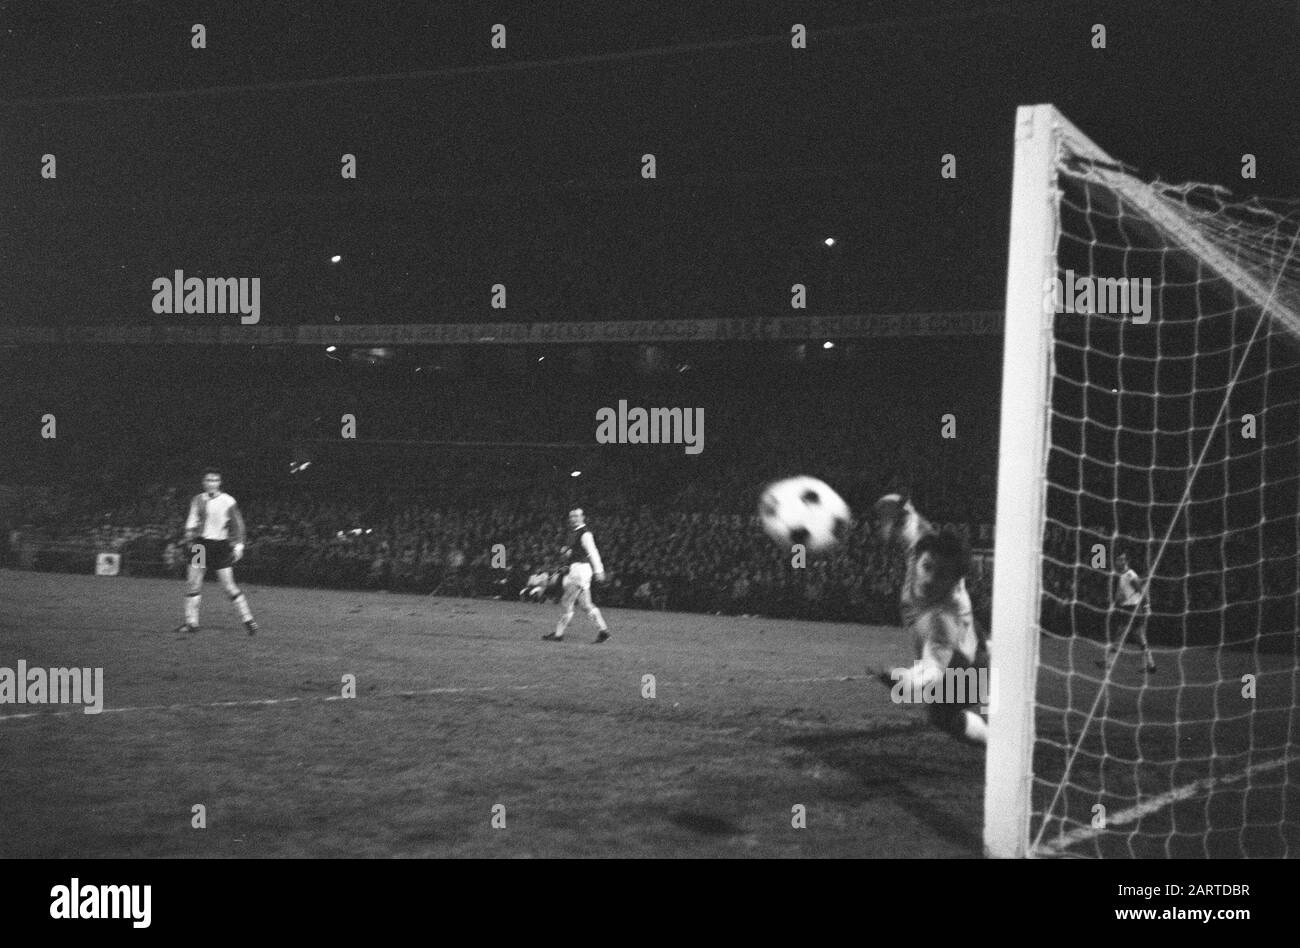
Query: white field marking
[1169, 797]
[426, 692]
[258, 702]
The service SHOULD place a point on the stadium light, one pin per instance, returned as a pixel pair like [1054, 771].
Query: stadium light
[331, 348]
[829, 241]
[828, 344]
[335, 259]
[575, 473]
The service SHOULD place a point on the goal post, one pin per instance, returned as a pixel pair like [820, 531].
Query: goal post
[1018, 528]
[1150, 407]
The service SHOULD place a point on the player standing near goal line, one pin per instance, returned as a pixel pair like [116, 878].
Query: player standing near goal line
[936, 610]
[1129, 607]
[210, 516]
[584, 561]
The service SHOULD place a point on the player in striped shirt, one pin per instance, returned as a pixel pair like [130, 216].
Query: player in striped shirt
[208, 544]
[584, 563]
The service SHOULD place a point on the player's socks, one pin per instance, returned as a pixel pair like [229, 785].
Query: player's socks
[597, 618]
[192, 609]
[241, 603]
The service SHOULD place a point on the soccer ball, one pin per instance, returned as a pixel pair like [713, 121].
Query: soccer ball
[804, 510]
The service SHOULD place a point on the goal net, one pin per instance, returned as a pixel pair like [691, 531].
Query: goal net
[1150, 407]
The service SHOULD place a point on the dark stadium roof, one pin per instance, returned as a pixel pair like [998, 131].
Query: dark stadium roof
[521, 165]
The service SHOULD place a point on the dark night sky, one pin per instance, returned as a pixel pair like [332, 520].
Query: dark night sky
[522, 165]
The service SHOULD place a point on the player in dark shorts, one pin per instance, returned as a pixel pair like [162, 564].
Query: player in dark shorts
[213, 517]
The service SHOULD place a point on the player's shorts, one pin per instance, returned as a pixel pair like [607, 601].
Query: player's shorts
[577, 588]
[217, 554]
[1126, 617]
[579, 575]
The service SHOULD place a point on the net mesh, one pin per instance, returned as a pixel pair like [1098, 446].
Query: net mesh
[1174, 437]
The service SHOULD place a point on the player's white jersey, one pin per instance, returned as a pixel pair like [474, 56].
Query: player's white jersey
[211, 515]
[1129, 589]
[953, 605]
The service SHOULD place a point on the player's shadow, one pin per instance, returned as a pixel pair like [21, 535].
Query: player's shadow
[886, 761]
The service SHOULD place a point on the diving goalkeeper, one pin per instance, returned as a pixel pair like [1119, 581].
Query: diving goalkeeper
[936, 611]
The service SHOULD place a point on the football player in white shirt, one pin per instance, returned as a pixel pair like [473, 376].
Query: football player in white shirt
[936, 611]
[208, 545]
[584, 563]
[1130, 608]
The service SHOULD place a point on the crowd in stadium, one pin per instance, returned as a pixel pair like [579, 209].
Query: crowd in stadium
[409, 542]
[678, 531]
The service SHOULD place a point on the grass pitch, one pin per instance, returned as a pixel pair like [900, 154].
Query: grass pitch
[460, 708]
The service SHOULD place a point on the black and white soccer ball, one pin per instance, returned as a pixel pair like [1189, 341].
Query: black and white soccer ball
[804, 510]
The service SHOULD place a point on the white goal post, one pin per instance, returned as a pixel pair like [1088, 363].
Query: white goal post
[1155, 414]
[1018, 524]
